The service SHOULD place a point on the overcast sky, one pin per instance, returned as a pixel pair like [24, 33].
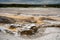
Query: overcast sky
[32, 1]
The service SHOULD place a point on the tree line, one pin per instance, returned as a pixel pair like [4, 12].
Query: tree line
[30, 5]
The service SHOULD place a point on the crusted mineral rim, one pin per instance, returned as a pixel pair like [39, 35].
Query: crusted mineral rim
[16, 29]
[29, 26]
[24, 30]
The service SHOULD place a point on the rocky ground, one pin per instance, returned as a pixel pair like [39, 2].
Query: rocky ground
[46, 20]
[49, 34]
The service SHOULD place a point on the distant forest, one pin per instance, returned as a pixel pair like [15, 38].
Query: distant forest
[30, 5]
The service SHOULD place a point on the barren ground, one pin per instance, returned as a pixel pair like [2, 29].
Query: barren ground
[50, 33]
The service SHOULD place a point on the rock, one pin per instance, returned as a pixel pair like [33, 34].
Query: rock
[12, 27]
[46, 18]
[26, 32]
[7, 20]
[34, 28]
[29, 30]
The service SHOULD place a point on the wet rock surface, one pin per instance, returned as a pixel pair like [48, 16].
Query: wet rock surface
[6, 20]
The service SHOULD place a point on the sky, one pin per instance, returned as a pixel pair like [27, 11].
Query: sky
[31, 1]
